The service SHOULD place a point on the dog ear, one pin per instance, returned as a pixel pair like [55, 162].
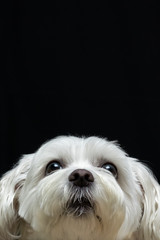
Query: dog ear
[10, 186]
[150, 221]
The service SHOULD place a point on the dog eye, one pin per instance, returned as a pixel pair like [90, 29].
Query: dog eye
[111, 168]
[52, 167]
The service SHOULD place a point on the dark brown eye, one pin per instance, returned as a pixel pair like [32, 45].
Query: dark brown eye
[111, 168]
[52, 167]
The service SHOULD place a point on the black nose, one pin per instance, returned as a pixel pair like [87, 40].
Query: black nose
[81, 177]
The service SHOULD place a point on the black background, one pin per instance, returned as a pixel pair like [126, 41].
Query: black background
[73, 68]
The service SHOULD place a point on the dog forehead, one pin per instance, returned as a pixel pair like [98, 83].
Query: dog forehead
[72, 148]
[66, 148]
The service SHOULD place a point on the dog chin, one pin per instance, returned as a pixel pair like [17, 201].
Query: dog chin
[80, 203]
[79, 207]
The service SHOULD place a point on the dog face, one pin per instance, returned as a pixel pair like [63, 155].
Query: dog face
[80, 188]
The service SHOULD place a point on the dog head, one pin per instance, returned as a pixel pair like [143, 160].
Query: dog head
[79, 188]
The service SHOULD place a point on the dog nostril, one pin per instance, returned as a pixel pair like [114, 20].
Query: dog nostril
[81, 177]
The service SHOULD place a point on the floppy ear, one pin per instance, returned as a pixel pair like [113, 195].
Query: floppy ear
[150, 222]
[10, 186]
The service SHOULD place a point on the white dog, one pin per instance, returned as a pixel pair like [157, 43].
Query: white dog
[79, 189]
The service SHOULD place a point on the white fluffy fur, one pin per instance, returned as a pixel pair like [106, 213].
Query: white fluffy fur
[32, 205]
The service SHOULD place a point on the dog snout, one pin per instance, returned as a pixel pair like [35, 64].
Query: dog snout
[81, 177]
